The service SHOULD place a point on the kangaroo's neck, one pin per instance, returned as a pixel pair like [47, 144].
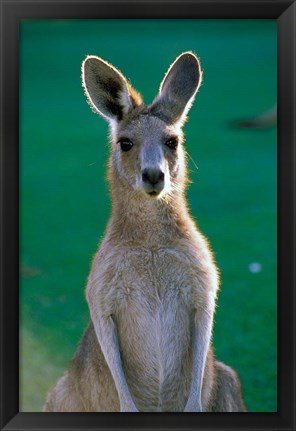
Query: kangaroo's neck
[136, 218]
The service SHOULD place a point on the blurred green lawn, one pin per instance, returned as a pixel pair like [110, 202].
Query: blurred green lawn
[64, 202]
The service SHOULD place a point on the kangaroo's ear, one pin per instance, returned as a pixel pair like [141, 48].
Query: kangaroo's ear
[107, 90]
[178, 88]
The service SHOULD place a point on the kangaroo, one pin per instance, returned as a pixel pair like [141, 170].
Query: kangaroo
[153, 283]
[263, 121]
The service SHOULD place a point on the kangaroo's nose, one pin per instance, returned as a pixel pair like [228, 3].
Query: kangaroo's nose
[152, 176]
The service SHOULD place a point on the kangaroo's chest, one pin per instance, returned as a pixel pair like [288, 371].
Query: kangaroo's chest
[153, 278]
[154, 317]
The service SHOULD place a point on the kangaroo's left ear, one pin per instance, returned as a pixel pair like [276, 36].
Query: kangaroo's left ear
[178, 88]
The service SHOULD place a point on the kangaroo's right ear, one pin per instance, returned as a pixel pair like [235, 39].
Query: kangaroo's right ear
[106, 89]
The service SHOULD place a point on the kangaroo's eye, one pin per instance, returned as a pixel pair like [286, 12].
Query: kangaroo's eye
[125, 144]
[172, 143]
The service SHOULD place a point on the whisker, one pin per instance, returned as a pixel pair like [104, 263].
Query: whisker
[192, 160]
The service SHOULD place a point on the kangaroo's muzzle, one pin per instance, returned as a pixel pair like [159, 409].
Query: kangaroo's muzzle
[153, 181]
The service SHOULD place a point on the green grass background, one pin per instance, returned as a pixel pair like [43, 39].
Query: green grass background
[64, 203]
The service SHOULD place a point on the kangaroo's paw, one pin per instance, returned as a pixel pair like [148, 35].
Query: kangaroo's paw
[193, 406]
[126, 407]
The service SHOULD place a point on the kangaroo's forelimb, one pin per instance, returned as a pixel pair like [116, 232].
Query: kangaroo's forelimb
[106, 332]
[201, 338]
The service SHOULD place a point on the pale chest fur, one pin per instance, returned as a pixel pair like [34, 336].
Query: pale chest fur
[152, 295]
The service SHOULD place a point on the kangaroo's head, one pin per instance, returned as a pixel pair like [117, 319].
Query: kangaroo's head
[147, 151]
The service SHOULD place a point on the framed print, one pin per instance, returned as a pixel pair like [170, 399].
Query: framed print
[188, 306]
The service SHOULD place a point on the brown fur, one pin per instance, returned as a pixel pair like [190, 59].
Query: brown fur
[153, 283]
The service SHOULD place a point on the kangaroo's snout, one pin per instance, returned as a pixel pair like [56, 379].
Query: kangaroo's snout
[152, 176]
[153, 180]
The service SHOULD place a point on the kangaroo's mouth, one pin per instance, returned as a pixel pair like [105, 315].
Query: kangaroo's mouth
[153, 193]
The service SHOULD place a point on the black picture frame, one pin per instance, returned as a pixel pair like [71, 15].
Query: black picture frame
[11, 14]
